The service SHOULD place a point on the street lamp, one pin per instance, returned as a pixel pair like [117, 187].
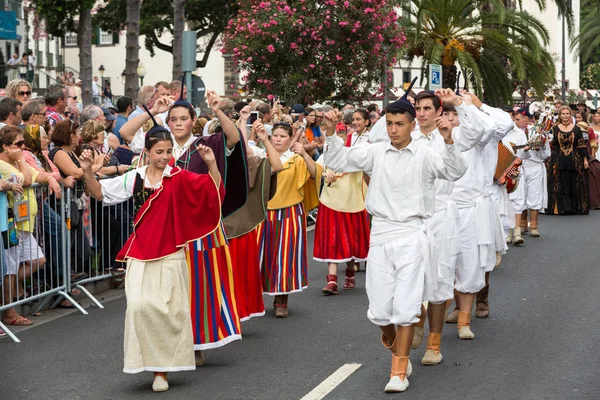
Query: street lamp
[101, 70]
[141, 71]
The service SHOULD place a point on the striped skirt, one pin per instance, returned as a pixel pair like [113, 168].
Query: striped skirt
[284, 260]
[341, 236]
[246, 275]
[215, 319]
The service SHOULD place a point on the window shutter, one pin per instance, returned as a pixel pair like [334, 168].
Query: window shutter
[116, 38]
[96, 36]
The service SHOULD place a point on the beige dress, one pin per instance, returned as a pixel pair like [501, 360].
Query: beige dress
[158, 326]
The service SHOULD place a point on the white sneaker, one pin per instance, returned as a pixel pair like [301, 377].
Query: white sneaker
[160, 384]
[396, 385]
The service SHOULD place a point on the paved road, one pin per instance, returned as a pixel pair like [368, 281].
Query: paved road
[541, 341]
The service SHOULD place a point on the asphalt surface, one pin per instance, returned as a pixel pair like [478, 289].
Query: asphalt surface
[540, 341]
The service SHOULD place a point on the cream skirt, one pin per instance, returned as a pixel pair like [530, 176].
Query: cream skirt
[158, 326]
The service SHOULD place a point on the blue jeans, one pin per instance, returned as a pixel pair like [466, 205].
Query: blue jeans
[53, 231]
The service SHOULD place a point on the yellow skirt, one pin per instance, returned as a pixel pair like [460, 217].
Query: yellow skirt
[158, 327]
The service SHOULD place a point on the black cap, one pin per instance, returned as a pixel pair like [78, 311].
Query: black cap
[403, 103]
[298, 109]
[525, 112]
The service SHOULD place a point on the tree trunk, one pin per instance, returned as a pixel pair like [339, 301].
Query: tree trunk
[449, 77]
[178, 26]
[132, 57]
[84, 41]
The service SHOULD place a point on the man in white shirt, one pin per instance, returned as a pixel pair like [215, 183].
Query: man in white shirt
[444, 224]
[96, 91]
[400, 197]
[534, 175]
[516, 140]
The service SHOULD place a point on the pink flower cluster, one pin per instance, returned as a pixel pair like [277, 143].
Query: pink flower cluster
[313, 49]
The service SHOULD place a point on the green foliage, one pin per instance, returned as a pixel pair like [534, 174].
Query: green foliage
[312, 50]
[498, 47]
[590, 78]
[207, 17]
[61, 16]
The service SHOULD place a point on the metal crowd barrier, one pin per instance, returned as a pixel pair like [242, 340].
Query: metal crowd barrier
[69, 244]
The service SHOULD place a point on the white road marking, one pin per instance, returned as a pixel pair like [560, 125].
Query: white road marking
[333, 381]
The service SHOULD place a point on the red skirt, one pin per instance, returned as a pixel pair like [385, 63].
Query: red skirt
[341, 236]
[246, 276]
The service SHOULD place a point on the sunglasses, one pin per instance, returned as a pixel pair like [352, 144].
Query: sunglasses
[27, 93]
[73, 97]
[282, 123]
[20, 143]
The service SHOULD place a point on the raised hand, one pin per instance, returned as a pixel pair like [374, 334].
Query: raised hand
[330, 120]
[474, 99]
[161, 105]
[260, 131]
[445, 129]
[448, 96]
[245, 113]
[86, 159]
[299, 149]
[206, 153]
[213, 100]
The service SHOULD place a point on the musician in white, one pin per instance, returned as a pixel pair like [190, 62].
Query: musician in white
[516, 141]
[534, 177]
[400, 197]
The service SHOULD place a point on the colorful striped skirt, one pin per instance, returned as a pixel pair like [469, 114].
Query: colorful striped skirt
[246, 275]
[284, 260]
[215, 319]
[341, 236]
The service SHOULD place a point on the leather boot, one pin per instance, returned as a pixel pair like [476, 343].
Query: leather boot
[331, 287]
[482, 310]
[509, 237]
[517, 238]
[350, 281]
[280, 305]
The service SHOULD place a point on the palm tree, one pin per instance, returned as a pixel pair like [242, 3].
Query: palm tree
[488, 40]
[132, 47]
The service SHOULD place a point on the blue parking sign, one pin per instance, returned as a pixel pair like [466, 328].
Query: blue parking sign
[435, 76]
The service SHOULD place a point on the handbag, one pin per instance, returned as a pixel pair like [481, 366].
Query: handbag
[9, 236]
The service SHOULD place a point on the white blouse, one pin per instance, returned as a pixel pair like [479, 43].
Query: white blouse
[120, 188]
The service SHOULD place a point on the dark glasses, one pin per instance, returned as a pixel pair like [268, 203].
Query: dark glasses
[282, 123]
[20, 143]
[73, 97]
[28, 93]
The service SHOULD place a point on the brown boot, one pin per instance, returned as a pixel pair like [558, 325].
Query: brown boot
[280, 304]
[483, 308]
[331, 287]
[350, 281]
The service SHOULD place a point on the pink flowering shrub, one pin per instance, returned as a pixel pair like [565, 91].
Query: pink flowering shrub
[312, 50]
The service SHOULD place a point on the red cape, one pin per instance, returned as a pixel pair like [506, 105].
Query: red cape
[186, 207]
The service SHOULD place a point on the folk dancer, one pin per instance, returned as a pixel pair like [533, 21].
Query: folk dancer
[400, 197]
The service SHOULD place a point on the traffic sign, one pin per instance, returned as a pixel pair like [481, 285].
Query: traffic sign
[435, 76]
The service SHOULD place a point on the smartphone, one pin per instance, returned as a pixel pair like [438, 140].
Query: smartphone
[110, 151]
[253, 118]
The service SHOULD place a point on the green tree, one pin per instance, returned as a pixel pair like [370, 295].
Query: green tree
[495, 45]
[590, 78]
[132, 48]
[208, 18]
[72, 16]
[587, 43]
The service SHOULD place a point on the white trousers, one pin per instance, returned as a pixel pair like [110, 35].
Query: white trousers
[444, 225]
[470, 275]
[517, 197]
[536, 189]
[395, 281]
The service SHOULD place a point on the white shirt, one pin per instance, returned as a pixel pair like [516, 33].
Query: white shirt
[95, 89]
[120, 188]
[178, 150]
[402, 181]
[465, 137]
